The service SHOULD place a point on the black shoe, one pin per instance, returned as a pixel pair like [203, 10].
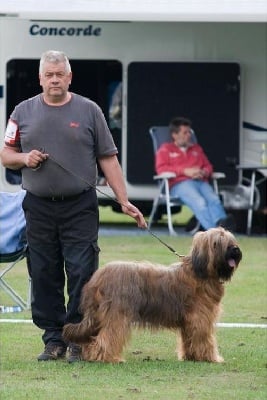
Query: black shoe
[228, 223]
[193, 226]
[52, 351]
[74, 353]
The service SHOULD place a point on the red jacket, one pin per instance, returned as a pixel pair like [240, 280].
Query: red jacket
[171, 158]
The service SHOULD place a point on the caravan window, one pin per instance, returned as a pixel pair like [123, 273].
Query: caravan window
[208, 93]
[99, 80]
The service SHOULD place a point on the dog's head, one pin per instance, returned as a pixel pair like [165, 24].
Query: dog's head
[215, 254]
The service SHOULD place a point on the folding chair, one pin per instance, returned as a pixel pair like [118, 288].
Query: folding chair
[160, 135]
[13, 246]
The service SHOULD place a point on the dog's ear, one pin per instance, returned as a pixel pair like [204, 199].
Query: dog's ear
[200, 256]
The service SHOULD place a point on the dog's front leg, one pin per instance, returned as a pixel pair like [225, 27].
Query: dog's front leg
[197, 344]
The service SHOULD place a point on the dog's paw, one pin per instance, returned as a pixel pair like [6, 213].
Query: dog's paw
[219, 359]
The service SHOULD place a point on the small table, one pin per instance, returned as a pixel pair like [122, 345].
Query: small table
[253, 169]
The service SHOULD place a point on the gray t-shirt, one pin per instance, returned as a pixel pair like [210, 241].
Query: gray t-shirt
[74, 135]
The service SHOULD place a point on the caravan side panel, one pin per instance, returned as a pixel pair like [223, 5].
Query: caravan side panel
[242, 44]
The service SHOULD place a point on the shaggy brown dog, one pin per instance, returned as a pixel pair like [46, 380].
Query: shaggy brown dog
[184, 297]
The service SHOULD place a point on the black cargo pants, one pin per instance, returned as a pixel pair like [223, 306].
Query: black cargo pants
[62, 237]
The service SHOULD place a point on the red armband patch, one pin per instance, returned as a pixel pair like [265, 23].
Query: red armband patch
[12, 133]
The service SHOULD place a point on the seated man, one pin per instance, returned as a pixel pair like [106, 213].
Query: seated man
[193, 170]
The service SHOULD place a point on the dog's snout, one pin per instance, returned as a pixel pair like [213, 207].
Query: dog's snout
[236, 252]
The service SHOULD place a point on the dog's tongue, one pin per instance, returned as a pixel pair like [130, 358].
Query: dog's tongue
[232, 263]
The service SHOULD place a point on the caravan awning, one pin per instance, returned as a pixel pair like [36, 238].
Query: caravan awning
[138, 10]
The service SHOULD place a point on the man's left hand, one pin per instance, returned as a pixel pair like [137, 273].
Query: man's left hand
[129, 209]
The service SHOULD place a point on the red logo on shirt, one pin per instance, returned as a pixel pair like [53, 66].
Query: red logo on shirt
[74, 124]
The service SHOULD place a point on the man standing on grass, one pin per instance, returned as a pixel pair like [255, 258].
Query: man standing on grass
[56, 138]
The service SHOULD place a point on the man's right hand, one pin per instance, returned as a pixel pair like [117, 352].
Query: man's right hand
[34, 158]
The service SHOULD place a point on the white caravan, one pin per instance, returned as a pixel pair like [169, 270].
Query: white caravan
[164, 62]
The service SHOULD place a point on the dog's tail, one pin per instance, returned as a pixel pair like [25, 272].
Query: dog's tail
[78, 333]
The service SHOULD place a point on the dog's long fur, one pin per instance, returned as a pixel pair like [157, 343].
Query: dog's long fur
[184, 297]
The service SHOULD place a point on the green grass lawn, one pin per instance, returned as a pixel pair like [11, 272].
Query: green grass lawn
[151, 370]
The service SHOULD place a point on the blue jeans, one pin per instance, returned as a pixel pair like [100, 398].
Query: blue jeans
[200, 197]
